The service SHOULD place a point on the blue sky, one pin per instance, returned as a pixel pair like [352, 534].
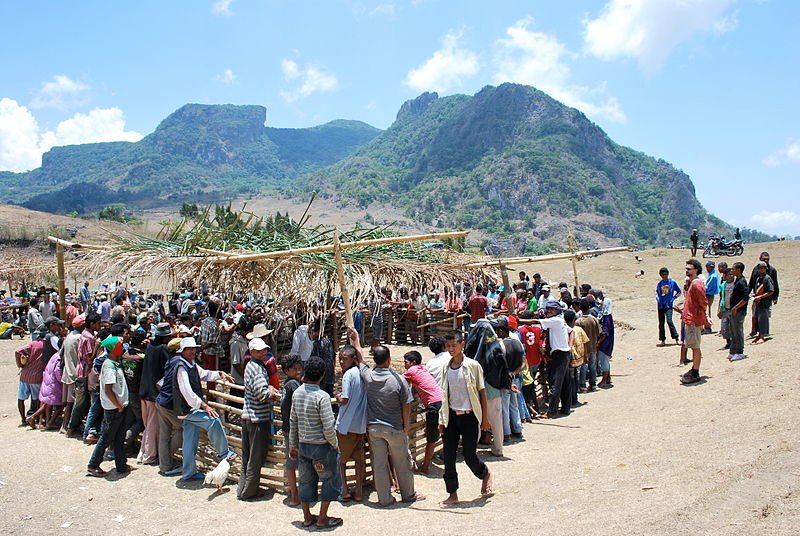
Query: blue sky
[709, 85]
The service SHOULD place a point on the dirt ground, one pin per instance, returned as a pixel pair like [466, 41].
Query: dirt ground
[649, 456]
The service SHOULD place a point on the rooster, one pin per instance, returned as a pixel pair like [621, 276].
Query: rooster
[640, 273]
[638, 258]
[219, 474]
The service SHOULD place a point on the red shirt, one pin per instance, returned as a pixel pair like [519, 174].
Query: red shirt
[478, 305]
[426, 386]
[32, 372]
[694, 308]
[533, 342]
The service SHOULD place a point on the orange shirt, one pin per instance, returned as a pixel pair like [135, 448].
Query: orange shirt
[694, 308]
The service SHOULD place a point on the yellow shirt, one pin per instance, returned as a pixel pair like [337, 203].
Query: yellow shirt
[473, 375]
[578, 342]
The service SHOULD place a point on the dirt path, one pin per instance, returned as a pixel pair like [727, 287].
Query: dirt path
[647, 457]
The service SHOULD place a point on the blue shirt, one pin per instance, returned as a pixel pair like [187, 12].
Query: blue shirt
[712, 283]
[666, 292]
[353, 415]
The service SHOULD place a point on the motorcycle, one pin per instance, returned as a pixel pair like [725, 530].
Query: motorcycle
[717, 245]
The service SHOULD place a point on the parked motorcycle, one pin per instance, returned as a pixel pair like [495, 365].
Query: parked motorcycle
[717, 246]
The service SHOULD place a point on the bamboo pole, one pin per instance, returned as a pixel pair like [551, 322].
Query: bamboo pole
[348, 313]
[75, 245]
[508, 289]
[62, 287]
[343, 245]
[442, 321]
[545, 258]
[575, 275]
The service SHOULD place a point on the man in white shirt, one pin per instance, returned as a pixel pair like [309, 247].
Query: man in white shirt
[440, 358]
[189, 403]
[560, 354]
[302, 344]
[114, 399]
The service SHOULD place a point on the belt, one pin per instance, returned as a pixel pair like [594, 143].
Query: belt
[462, 411]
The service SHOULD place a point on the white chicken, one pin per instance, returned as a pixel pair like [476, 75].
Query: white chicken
[219, 474]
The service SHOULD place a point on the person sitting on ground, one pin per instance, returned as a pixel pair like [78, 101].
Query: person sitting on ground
[313, 442]
[430, 395]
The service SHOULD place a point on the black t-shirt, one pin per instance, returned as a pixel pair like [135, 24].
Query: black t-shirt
[155, 358]
[515, 353]
[289, 388]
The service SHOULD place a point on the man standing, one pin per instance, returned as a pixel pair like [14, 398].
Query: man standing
[256, 421]
[773, 274]
[440, 357]
[560, 356]
[738, 310]
[478, 305]
[69, 371]
[763, 296]
[388, 411]
[197, 414]
[351, 423]
[712, 289]
[323, 348]
[694, 318]
[666, 292]
[86, 297]
[462, 416]
[693, 238]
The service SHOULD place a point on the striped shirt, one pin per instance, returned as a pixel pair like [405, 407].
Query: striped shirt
[311, 420]
[256, 392]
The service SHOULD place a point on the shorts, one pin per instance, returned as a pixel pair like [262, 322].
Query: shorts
[69, 393]
[351, 446]
[693, 336]
[432, 422]
[289, 463]
[28, 390]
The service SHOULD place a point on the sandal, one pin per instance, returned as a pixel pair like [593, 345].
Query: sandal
[330, 522]
[310, 521]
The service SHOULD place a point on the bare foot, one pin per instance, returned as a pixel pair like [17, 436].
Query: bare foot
[294, 503]
[451, 500]
[488, 482]
[417, 497]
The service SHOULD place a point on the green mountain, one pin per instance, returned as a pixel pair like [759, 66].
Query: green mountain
[197, 151]
[518, 164]
[509, 161]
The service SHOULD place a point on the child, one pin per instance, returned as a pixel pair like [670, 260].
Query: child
[51, 395]
[313, 443]
[29, 360]
[430, 394]
[292, 366]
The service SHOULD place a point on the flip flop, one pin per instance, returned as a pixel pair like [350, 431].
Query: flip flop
[309, 522]
[330, 522]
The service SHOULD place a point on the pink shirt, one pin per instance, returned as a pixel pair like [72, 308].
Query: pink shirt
[428, 390]
[694, 308]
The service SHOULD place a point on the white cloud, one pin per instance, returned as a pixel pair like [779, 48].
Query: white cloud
[22, 144]
[383, 9]
[541, 60]
[446, 68]
[778, 222]
[647, 30]
[790, 152]
[61, 93]
[307, 80]
[227, 77]
[222, 8]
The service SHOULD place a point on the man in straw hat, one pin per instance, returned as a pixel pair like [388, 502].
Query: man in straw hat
[191, 406]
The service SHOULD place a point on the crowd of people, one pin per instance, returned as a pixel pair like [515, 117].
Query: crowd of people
[128, 379]
[695, 302]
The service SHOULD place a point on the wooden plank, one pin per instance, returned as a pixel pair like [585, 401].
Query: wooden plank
[545, 258]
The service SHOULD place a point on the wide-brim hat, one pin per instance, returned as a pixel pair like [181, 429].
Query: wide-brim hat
[187, 342]
[163, 330]
[259, 330]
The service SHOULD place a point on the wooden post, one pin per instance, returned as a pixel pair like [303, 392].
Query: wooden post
[507, 288]
[575, 275]
[348, 313]
[62, 290]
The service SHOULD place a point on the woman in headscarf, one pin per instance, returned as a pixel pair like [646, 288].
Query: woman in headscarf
[605, 344]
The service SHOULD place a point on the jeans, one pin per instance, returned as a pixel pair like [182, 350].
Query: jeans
[467, 429]
[112, 434]
[95, 417]
[192, 424]
[387, 444]
[315, 463]
[736, 329]
[575, 372]
[80, 407]
[523, 407]
[560, 381]
[255, 442]
[170, 437]
[592, 369]
[135, 425]
[511, 419]
[665, 315]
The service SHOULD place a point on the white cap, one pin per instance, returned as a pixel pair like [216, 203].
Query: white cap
[257, 344]
[187, 342]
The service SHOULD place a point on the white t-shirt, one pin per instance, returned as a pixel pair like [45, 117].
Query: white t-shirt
[457, 390]
[559, 332]
[111, 373]
[436, 365]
